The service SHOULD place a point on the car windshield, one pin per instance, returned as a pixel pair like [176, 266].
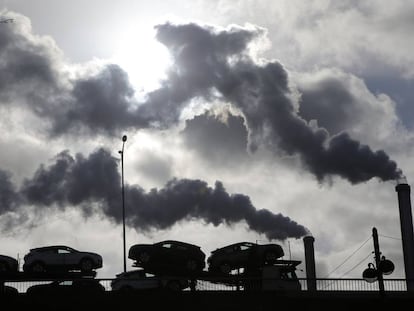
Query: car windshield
[245, 246]
[64, 251]
[69, 249]
[166, 245]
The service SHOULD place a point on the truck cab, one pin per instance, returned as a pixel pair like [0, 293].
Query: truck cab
[276, 277]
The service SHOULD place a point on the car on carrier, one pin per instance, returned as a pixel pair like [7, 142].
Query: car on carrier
[60, 258]
[140, 280]
[242, 255]
[67, 287]
[8, 265]
[168, 257]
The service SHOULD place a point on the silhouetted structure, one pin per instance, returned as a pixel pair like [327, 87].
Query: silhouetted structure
[310, 262]
[407, 236]
[121, 152]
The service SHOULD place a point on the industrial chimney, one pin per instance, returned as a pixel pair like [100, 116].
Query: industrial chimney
[310, 263]
[407, 236]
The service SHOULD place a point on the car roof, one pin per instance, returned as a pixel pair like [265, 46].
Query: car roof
[51, 247]
[235, 244]
[9, 257]
[246, 243]
[140, 272]
[177, 243]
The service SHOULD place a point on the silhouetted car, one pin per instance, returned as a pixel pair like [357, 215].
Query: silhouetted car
[65, 287]
[8, 264]
[140, 280]
[242, 255]
[168, 257]
[60, 258]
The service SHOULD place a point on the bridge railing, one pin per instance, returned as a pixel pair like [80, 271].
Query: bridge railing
[241, 284]
[355, 285]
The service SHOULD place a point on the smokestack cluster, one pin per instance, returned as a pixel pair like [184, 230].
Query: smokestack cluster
[80, 181]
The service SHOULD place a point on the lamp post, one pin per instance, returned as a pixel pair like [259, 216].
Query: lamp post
[377, 254]
[382, 266]
[121, 152]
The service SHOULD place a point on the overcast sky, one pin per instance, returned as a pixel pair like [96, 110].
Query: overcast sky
[246, 121]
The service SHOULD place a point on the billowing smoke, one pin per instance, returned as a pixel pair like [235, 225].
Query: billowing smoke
[216, 61]
[9, 198]
[208, 64]
[95, 181]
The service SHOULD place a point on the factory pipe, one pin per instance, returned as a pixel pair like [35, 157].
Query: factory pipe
[407, 236]
[310, 262]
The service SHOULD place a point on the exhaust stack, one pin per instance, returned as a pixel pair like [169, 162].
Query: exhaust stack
[407, 236]
[310, 262]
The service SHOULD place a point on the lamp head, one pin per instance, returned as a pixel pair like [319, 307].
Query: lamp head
[386, 266]
[370, 274]
[124, 138]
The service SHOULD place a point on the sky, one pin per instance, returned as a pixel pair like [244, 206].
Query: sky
[261, 121]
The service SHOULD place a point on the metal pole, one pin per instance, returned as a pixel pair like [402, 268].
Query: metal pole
[377, 260]
[124, 138]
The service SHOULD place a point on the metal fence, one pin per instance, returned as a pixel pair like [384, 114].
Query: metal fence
[355, 285]
[241, 284]
[398, 285]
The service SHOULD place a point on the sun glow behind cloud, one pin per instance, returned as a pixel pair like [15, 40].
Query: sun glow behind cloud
[143, 58]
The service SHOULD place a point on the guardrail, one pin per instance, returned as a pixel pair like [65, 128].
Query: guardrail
[243, 283]
[355, 285]
[398, 285]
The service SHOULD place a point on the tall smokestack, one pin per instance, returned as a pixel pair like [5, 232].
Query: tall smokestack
[310, 262]
[406, 220]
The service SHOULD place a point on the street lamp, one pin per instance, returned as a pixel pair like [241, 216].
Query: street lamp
[121, 152]
[382, 266]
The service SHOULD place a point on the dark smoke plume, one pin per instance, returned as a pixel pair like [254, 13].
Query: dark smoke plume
[208, 63]
[82, 181]
[207, 60]
[9, 198]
